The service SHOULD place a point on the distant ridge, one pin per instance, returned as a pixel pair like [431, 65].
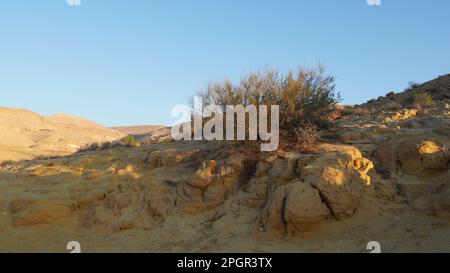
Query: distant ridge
[438, 88]
[27, 135]
[138, 129]
[146, 133]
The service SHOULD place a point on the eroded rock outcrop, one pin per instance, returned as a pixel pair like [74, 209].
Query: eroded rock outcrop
[212, 182]
[341, 177]
[415, 155]
[332, 184]
[304, 208]
[158, 159]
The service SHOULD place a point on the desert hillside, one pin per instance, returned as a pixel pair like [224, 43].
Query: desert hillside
[138, 129]
[146, 134]
[26, 135]
[438, 89]
[381, 175]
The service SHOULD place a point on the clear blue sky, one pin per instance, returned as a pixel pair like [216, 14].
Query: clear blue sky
[127, 62]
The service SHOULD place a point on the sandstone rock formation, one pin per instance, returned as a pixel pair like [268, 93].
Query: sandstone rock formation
[296, 207]
[382, 177]
[341, 177]
[415, 155]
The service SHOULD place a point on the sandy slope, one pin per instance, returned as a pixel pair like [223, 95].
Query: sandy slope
[25, 134]
[211, 196]
[378, 176]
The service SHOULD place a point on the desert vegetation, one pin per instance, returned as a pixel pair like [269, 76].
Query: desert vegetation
[412, 85]
[422, 100]
[131, 141]
[305, 96]
[308, 136]
[128, 141]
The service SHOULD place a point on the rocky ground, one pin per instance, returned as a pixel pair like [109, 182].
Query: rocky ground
[382, 177]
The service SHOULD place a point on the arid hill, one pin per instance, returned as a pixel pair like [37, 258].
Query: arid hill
[138, 129]
[438, 89]
[380, 175]
[146, 134]
[26, 135]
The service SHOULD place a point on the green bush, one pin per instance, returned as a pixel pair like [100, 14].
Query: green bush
[305, 96]
[422, 100]
[131, 141]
